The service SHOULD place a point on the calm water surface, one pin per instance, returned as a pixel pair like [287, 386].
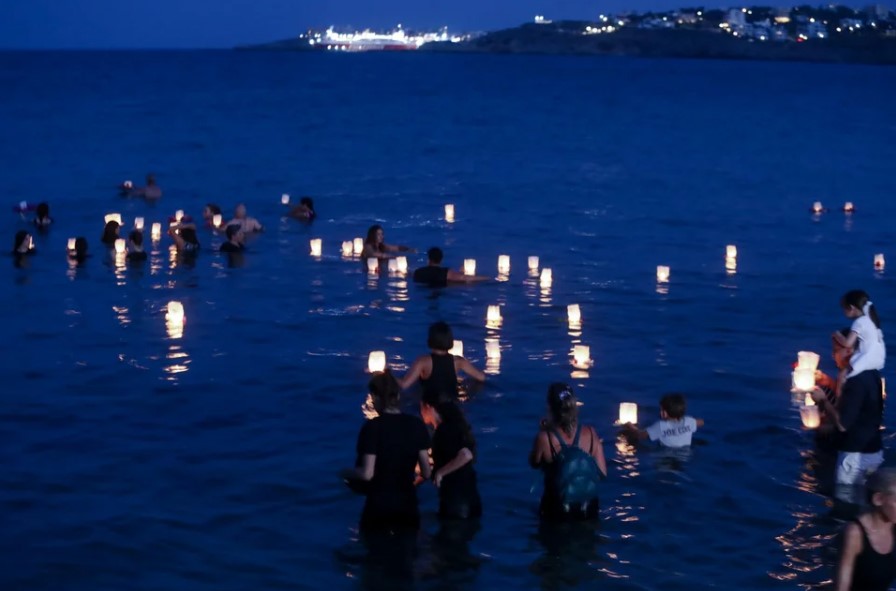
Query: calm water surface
[134, 460]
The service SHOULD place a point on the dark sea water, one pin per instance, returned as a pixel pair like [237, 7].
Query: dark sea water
[133, 460]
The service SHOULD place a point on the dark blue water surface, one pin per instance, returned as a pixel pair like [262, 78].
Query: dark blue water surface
[133, 460]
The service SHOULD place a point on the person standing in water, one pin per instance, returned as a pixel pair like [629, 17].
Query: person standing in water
[438, 371]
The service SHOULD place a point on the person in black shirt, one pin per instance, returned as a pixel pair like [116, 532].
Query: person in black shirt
[438, 370]
[390, 447]
[234, 239]
[453, 449]
[435, 275]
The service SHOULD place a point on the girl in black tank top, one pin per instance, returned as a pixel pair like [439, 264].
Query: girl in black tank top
[442, 382]
[861, 566]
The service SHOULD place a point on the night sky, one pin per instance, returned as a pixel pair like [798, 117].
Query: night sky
[35, 24]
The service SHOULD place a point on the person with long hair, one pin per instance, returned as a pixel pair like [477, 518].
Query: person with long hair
[390, 448]
[453, 452]
[572, 458]
[868, 553]
[376, 247]
[438, 370]
[110, 233]
[865, 336]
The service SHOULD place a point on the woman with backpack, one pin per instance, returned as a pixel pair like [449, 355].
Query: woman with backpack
[572, 458]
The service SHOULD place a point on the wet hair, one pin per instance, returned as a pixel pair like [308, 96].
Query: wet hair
[213, 209]
[43, 210]
[80, 247]
[385, 390]
[452, 415]
[19, 239]
[307, 202]
[136, 237]
[858, 298]
[371, 236]
[440, 336]
[110, 233]
[563, 406]
[435, 254]
[189, 236]
[232, 230]
[882, 481]
[674, 405]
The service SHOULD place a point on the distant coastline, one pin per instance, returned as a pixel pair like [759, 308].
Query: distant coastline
[834, 34]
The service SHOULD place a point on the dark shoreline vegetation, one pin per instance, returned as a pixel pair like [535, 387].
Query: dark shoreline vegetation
[762, 33]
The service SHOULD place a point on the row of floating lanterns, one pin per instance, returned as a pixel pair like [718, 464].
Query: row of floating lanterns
[848, 207]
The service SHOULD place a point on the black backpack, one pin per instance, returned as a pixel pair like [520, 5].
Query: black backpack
[575, 477]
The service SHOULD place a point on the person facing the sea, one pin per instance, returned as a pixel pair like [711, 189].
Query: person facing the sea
[438, 371]
[390, 448]
[23, 243]
[42, 219]
[184, 237]
[151, 191]
[79, 254]
[675, 428]
[453, 452]
[435, 275]
[868, 552]
[247, 224]
[571, 456]
[304, 210]
[375, 245]
[136, 254]
[110, 233]
[865, 336]
[209, 212]
[234, 241]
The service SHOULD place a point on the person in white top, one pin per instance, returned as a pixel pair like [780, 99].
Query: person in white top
[865, 336]
[674, 429]
[247, 224]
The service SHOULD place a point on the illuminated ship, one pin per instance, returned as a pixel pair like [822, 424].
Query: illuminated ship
[367, 40]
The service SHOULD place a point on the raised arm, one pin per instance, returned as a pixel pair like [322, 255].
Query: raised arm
[175, 236]
[468, 368]
[852, 546]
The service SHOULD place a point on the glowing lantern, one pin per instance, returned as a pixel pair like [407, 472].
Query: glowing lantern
[178, 215]
[731, 264]
[373, 265]
[547, 277]
[449, 212]
[848, 207]
[217, 220]
[457, 349]
[662, 274]
[128, 185]
[808, 400]
[581, 356]
[315, 247]
[284, 199]
[120, 246]
[817, 207]
[533, 263]
[807, 360]
[376, 361]
[573, 314]
[175, 313]
[493, 316]
[401, 264]
[138, 224]
[347, 248]
[393, 266]
[492, 349]
[112, 217]
[156, 231]
[804, 379]
[810, 417]
[879, 261]
[731, 251]
[628, 413]
[469, 267]
[358, 245]
[504, 264]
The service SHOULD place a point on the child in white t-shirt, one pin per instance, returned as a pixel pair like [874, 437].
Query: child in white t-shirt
[865, 336]
[674, 429]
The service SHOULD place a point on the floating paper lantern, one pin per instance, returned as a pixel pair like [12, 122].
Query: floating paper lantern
[347, 248]
[807, 360]
[804, 379]
[817, 207]
[547, 277]
[358, 246]
[138, 224]
[581, 356]
[217, 220]
[492, 349]
[120, 246]
[284, 199]
[574, 314]
[71, 244]
[393, 266]
[112, 217]
[810, 416]
[175, 313]
[730, 263]
[662, 273]
[316, 246]
[373, 265]
[128, 184]
[449, 212]
[533, 263]
[156, 231]
[178, 215]
[628, 413]
[503, 264]
[493, 316]
[848, 207]
[457, 349]
[879, 261]
[376, 361]
[731, 251]
[469, 267]
[401, 264]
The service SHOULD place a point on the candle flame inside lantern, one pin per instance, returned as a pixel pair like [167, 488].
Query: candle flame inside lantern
[547, 277]
[731, 251]
[662, 273]
[156, 231]
[879, 261]
[284, 199]
[574, 314]
[804, 379]
[848, 207]
[810, 417]
[358, 246]
[346, 248]
[628, 413]
[503, 264]
[581, 356]
[449, 212]
[493, 316]
[457, 349]
[112, 217]
[469, 267]
[138, 224]
[376, 361]
[217, 220]
[316, 246]
[817, 207]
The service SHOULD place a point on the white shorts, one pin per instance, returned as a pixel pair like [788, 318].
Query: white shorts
[853, 467]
